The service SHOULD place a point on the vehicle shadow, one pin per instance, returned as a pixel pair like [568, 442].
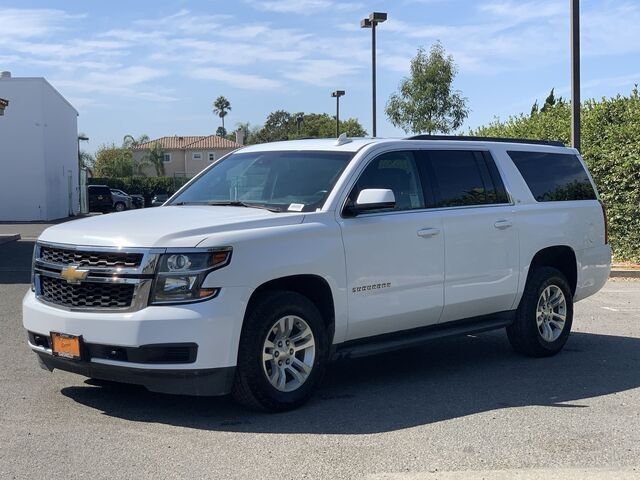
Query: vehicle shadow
[15, 262]
[448, 379]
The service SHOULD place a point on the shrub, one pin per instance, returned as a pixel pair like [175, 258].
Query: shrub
[611, 149]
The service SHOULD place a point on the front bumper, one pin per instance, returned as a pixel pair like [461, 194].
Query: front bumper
[201, 382]
[214, 326]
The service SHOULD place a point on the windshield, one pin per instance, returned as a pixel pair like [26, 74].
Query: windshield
[283, 181]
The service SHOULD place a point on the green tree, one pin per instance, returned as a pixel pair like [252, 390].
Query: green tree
[282, 125]
[129, 141]
[278, 126]
[221, 132]
[221, 107]
[250, 133]
[551, 101]
[155, 157]
[425, 101]
[113, 161]
[610, 147]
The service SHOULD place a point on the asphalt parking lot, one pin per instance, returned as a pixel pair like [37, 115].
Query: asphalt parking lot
[460, 408]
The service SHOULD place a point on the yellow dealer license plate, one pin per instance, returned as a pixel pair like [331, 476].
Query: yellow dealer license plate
[67, 346]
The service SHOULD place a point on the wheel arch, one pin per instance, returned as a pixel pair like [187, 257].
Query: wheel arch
[560, 257]
[313, 287]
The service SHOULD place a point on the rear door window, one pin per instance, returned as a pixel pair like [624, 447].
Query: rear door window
[553, 177]
[464, 178]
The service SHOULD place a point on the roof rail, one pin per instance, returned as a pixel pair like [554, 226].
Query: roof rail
[467, 138]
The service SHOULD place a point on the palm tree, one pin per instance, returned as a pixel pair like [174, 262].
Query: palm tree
[221, 107]
[155, 157]
[129, 141]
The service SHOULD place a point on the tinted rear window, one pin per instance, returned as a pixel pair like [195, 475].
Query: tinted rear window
[462, 178]
[554, 177]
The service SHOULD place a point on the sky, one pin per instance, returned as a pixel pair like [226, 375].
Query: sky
[155, 67]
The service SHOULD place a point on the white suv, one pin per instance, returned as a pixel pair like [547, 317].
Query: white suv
[280, 257]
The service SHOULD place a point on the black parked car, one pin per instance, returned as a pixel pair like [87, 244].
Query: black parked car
[100, 199]
[137, 201]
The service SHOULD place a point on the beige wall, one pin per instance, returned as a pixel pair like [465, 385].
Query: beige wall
[177, 165]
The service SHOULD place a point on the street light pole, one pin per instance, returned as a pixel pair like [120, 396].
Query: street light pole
[83, 138]
[337, 94]
[575, 73]
[374, 19]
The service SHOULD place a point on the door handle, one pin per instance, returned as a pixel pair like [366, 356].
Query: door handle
[428, 232]
[502, 224]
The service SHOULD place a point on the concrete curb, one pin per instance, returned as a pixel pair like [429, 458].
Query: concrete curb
[629, 273]
[9, 238]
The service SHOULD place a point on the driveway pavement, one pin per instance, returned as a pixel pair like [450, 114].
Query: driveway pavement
[459, 408]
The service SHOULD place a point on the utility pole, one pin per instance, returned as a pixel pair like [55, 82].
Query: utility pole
[337, 94]
[575, 73]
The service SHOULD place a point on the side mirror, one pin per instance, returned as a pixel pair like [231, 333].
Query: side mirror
[372, 199]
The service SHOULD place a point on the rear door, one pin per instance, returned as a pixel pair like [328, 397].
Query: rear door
[394, 258]
[480, 231]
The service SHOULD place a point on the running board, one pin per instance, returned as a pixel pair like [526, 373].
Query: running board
[419, 336]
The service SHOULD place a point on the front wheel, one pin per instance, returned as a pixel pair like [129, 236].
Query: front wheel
[120, 207]
[282, 353]
[544, 317]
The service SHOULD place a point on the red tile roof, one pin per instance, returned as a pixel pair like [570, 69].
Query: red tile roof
[198, 142]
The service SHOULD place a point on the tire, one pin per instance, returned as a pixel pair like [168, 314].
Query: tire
[252, 386]
[120, 207]
[528, 334]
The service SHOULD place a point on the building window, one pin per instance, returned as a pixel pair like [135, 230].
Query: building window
[196, 156]
[166, 158]
[212, 156]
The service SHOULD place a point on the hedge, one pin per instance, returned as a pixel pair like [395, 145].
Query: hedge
[145, 186]
[611, 149]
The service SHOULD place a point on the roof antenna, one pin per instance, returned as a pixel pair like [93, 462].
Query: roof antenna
[342, 139]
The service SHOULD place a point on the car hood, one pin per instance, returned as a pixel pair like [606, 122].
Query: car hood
[170, 226]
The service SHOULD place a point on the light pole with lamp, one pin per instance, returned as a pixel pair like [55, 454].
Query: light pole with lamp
[337, 94]
[81, 193]
[374, 19]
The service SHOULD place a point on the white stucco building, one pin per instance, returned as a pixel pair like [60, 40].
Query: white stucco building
[38, 151]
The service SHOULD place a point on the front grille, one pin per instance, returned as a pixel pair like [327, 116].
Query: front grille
[63, 256]
[86, 295]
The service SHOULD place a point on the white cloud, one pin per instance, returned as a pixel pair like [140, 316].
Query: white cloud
[235, 79]
[511, 36]
[304, 7]
[128, 81]
[323, 72]
[27, 23]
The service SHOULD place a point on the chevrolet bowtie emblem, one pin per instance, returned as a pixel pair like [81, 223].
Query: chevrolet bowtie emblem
[73, 274]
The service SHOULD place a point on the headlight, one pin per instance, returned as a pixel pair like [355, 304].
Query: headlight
[180, 275]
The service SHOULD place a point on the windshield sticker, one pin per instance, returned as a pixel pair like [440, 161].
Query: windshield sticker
[296, 207]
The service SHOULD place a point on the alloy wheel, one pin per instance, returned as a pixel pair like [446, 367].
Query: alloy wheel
[288, 353]
[551, 313]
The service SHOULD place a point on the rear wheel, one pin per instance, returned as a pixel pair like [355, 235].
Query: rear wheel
[545, 315]
[120, 207]
[282, 353]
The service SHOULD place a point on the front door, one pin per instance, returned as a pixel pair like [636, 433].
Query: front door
[394, 258]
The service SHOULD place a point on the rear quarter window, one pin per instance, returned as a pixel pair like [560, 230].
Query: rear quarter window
[553, 177]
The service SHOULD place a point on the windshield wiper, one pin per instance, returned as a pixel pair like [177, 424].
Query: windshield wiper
[230, 203]
[238, 203]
